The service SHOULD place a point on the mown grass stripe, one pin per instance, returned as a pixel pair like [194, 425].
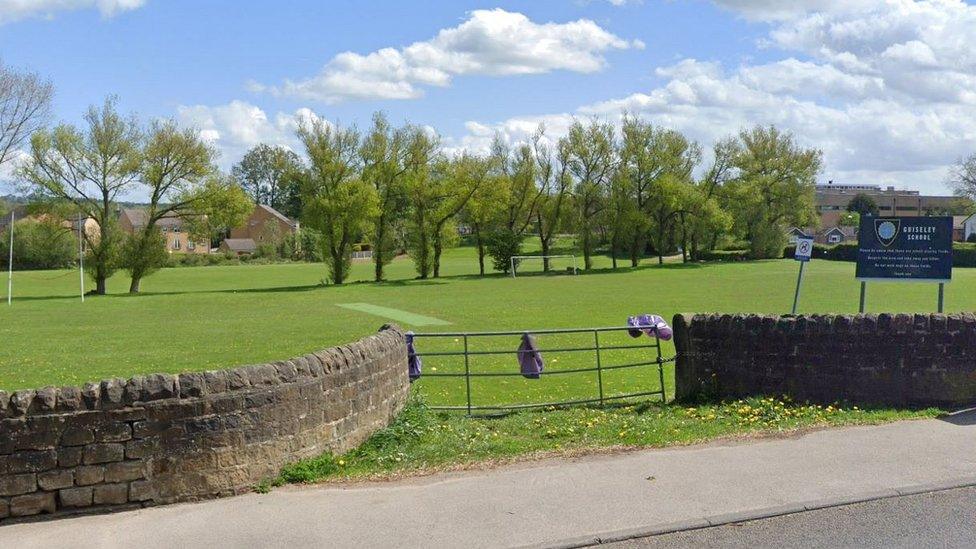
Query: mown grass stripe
[394, 314]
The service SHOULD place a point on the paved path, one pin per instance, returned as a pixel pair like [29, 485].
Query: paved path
[558, 502]
[941, 519]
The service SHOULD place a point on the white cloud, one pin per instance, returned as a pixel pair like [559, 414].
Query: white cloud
[237, 126]
[15, 10]
[490, 42]
[886, 88]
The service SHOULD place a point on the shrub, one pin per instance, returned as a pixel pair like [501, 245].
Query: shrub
[963, 254]
[723, 255]
[39, 245]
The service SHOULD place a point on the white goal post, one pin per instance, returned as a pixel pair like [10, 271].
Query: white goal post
[516, 259]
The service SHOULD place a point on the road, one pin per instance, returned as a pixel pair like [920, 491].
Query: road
[944, 519]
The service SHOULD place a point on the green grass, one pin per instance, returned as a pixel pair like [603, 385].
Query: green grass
[420, 441]
[218, 317]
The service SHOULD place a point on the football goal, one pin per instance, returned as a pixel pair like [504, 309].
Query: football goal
[532, 264]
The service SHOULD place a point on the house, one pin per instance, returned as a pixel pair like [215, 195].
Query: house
[265, 224]
[238, 246]
[836, 235]
[796, 232]
[967, 227]
[177, 238]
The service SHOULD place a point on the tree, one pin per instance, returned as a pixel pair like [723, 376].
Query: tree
[849, 219]
[515, 177]
[711, 186]
[774, 188]
[25, 106]
[863, 205]
[176, 163]
[482, 212]
[591, 159]
[962, 177]
[220, 205]
[555, 185]
[89, 168]
[384, 155]
[263, 173]
[655, 162]
[337, 203]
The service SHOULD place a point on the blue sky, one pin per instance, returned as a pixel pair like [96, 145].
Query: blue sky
[888, 99]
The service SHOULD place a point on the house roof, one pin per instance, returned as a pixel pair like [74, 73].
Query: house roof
[844, 230]
[138, 218]
[241, 244]
[291, 223]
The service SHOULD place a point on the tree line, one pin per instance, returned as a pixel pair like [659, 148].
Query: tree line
[628, 189]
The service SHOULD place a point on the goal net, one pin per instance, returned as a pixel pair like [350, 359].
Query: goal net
[536, 264]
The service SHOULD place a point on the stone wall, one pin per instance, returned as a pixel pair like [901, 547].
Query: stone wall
[166, 438]
[897, 360]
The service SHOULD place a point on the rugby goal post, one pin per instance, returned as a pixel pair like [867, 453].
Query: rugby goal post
[517, 259]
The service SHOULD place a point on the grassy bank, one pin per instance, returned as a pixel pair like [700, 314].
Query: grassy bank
[421, 441]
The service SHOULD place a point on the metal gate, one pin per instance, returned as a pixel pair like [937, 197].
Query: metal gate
[598, 367]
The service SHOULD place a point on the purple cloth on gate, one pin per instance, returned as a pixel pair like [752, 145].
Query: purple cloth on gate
[529, 358]
[649, 324]
[413, 360]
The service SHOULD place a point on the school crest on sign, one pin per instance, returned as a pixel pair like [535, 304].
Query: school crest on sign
[887, 230]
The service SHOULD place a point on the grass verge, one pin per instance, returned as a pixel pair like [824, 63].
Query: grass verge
[421, 441]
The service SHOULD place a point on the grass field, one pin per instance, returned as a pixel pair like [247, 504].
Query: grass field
[218, 317]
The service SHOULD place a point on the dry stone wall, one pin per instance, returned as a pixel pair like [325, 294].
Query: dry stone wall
[899, 360]
[166, 438]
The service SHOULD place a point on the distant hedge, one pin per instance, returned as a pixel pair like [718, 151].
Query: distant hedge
[723, 255]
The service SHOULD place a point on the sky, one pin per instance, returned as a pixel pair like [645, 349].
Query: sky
[885, 88]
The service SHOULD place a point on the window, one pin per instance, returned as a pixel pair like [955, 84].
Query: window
[191, 245]
[176, 244]
[834, 238]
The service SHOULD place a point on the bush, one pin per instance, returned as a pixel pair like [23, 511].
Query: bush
[39, 245]
[502, 246]
[963, 254]
[723, 255]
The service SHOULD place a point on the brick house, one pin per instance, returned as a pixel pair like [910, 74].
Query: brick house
[177, 239]
[264, 225]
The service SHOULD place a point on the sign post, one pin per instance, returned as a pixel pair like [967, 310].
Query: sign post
[906, 249]
[10, 264]
[804, 251]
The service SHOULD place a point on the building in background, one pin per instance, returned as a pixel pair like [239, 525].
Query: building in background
[265, 225]
[832, 200]
[177, 239]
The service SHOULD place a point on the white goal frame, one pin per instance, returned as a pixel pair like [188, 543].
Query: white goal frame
[543, 257]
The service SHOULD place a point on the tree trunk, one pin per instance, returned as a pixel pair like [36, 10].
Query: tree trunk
[134, 285]
[613, 250]
[545, 253]
[481, 250]
[100, 286]
[437, 255]
[587, 260]
[378, 251]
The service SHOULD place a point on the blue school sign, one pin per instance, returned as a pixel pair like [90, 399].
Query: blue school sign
[905, 248]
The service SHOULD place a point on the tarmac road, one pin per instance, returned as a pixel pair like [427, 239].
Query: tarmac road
[944, 519]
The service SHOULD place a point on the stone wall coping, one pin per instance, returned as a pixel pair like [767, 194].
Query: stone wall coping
[115, 393]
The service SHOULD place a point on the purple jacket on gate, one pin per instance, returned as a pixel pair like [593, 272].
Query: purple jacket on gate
[529, 358]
